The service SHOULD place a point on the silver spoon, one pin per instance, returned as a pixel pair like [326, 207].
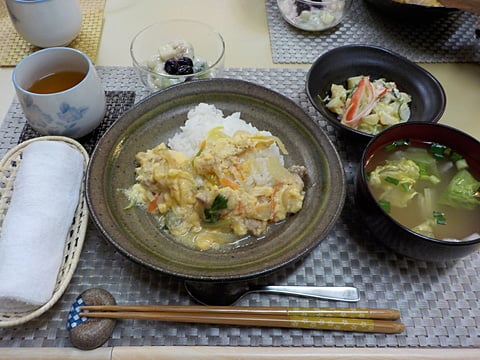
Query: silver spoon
[228, 293]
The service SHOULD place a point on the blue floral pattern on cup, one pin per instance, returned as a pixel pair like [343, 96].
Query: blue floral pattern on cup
[67, 117]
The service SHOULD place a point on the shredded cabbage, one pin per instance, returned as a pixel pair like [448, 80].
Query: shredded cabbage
[405, 172]
[426, 228]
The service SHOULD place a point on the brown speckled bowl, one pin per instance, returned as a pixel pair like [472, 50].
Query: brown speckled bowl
[137, 235]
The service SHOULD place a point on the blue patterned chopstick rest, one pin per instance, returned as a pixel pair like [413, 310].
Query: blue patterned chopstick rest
[74, 318]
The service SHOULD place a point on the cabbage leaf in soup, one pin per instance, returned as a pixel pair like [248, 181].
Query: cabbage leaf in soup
[460, 191]
[396, 179]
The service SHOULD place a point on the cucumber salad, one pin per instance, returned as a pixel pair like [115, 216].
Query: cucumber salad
[368, 106]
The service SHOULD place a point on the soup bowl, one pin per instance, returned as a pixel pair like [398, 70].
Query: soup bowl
[376, 216]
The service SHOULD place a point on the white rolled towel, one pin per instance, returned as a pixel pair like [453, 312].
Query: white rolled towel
[44, 199]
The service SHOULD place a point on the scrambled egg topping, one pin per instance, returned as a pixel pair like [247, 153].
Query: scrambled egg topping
[230, 189]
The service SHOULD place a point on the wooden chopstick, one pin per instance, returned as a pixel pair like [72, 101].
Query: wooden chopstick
[358, 313]
[222, 315]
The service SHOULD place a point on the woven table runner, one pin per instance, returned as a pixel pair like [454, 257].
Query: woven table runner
[13, 48]
[438, 302]
[450, 38]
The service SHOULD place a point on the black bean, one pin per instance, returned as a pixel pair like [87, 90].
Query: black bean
[184, 70]
[301, 7]
[171, 66]
[185, 61]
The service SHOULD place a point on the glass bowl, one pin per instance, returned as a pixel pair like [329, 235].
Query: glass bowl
[169, 43]
[314, 15]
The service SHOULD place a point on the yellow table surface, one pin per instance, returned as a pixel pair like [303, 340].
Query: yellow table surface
[243, 24]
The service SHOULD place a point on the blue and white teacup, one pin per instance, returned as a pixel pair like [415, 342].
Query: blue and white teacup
[72, 112]
[46, 23]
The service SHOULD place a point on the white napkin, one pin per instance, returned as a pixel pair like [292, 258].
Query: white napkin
[45, 195]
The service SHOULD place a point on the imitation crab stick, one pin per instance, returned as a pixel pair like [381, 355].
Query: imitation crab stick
[362, 102]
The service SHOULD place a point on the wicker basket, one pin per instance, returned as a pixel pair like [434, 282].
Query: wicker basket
[75, 238]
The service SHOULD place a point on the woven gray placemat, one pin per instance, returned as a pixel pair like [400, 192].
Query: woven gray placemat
[438, 302]
[447, 39]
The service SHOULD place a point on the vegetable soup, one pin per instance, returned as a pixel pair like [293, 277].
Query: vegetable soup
[428, 188]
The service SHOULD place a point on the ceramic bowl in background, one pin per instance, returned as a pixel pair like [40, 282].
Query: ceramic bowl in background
[171, 41]
[389, 231]
[410, 11]
[337, 65]
[71, 102]
[137, 234]
[312, 15]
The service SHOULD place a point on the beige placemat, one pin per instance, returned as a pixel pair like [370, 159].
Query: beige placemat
[13, 48]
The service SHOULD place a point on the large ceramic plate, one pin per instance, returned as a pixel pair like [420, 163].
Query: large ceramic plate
[137, 235]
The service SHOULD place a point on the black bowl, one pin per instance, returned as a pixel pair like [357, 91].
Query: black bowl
[335, 66]
[409, 12]
[388, 231]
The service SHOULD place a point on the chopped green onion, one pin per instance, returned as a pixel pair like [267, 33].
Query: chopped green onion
[392, 180]
[439, 151]
[423, 170]
[455, 157]
[212, 215]
[439, 218]
[385, 205]
[199, 152]
[406, 186]
[394, 145]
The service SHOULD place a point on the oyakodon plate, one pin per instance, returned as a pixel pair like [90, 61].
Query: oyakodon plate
[137, 234]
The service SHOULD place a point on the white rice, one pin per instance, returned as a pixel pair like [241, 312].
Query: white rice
[205, 117]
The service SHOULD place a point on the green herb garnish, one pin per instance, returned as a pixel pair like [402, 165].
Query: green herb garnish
[455, 157]
[212, 214]
[439, 218]
[439, 151]
[385, 205]
[394, 145]
[392, 180]
[406, 186]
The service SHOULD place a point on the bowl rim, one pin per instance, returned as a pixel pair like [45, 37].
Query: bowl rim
[371, 49]
[361, 173]
[141, 66]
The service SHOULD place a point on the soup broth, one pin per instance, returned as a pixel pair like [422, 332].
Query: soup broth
[426, 205]
[57, 82]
